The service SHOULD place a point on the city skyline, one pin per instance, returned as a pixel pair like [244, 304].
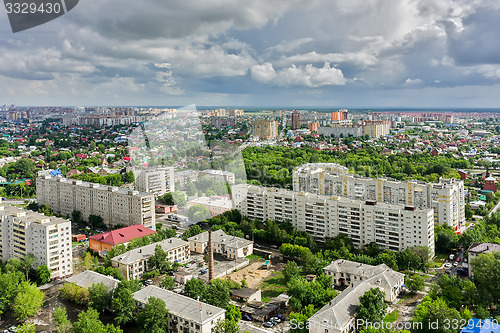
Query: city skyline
[415, 54]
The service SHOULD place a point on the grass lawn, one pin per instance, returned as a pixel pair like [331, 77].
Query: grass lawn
[273, 286]
[254, 257]
[405, 298]
[392, 316]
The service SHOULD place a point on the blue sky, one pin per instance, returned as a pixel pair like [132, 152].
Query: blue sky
[331, 53]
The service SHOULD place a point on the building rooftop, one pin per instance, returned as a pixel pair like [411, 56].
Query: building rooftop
[381, 275]
[123, 235]
[104, 188]
[341, 309]
[30, 216]
[483, 248]
[179, 305]
[244, 292]
[88, 278]
[147, 251]
[220, 237]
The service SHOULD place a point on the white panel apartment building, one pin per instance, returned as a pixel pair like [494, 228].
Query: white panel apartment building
[47, 238]
[393, 227]
[447, 198]
[157, 181]
[115, 205]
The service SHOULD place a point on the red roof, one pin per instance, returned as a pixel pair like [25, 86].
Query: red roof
[123, 235]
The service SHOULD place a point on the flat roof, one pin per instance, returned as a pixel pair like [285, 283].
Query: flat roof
[96, 186]
[30, 216]
[179, 305]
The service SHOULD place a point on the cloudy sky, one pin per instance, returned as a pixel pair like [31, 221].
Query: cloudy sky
[332, 53]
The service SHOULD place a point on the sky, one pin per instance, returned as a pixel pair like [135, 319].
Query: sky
[268, 53]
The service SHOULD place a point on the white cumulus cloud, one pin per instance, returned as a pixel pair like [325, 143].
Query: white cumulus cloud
[307, 76]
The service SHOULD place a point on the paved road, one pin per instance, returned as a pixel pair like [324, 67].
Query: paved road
[494, 209]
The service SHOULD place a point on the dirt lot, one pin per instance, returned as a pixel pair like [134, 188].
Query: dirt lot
[254, 274]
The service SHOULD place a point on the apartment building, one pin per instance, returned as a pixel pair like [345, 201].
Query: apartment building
[115, 205]
[230, 246]
[218, 175]
[346, 273]
[134, 263]
[447, 197]
[376, 128]
[185, 314]
[157, 181]
[392, 227]
[47, 238]
[265, 129]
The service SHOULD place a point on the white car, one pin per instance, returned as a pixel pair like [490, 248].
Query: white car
[455, 264]
[447, 265]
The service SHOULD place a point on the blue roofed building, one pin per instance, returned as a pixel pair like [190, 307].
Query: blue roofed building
[481, 326]
[56, 173]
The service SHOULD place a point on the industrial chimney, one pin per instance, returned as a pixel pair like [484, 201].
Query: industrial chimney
[210, 257]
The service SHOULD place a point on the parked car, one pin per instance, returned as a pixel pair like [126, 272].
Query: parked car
[455, 263]
[246, 317]
[281, 317]
[12, 329]
[452, 256]
[148, 282]
[447, 265]
[458, 259]
[203, 271]
[275, 319]
[175, 227]
[269, 324]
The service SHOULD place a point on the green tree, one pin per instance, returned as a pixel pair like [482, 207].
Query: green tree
[96, 221]
[233, 313]
[290, 271]
[179, 199]
[28, 301]
[487, 277]
[152, 318]
[27, 263]
[123, 304]
[415, 283]
[159, 260]
[76, 216]
[192, 231]
[43, 275]
[226, 326]
[217, 294]
[26, 328]
[8, 288]
[60, 318]
[166, 199]
[195, 288]
[198, 213]
[99, 297]
[435, 311]
[168, 283]
[372, 306]
[88, 321]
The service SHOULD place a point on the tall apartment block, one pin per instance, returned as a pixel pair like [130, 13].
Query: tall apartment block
[447, 197]
[115, 205]
[393, 227]
[295, 120]
[157, 181]
[265, 129]
[47, 238]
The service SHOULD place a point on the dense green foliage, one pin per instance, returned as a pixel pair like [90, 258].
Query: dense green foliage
[152, 318]
[372, 306]
[271, 165]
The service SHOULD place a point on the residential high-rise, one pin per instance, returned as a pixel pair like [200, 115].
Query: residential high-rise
[392, 227]
[295, 120]
[113, 204]
[447, 197]
[265, 129]
[47, 238]
[157, 181]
